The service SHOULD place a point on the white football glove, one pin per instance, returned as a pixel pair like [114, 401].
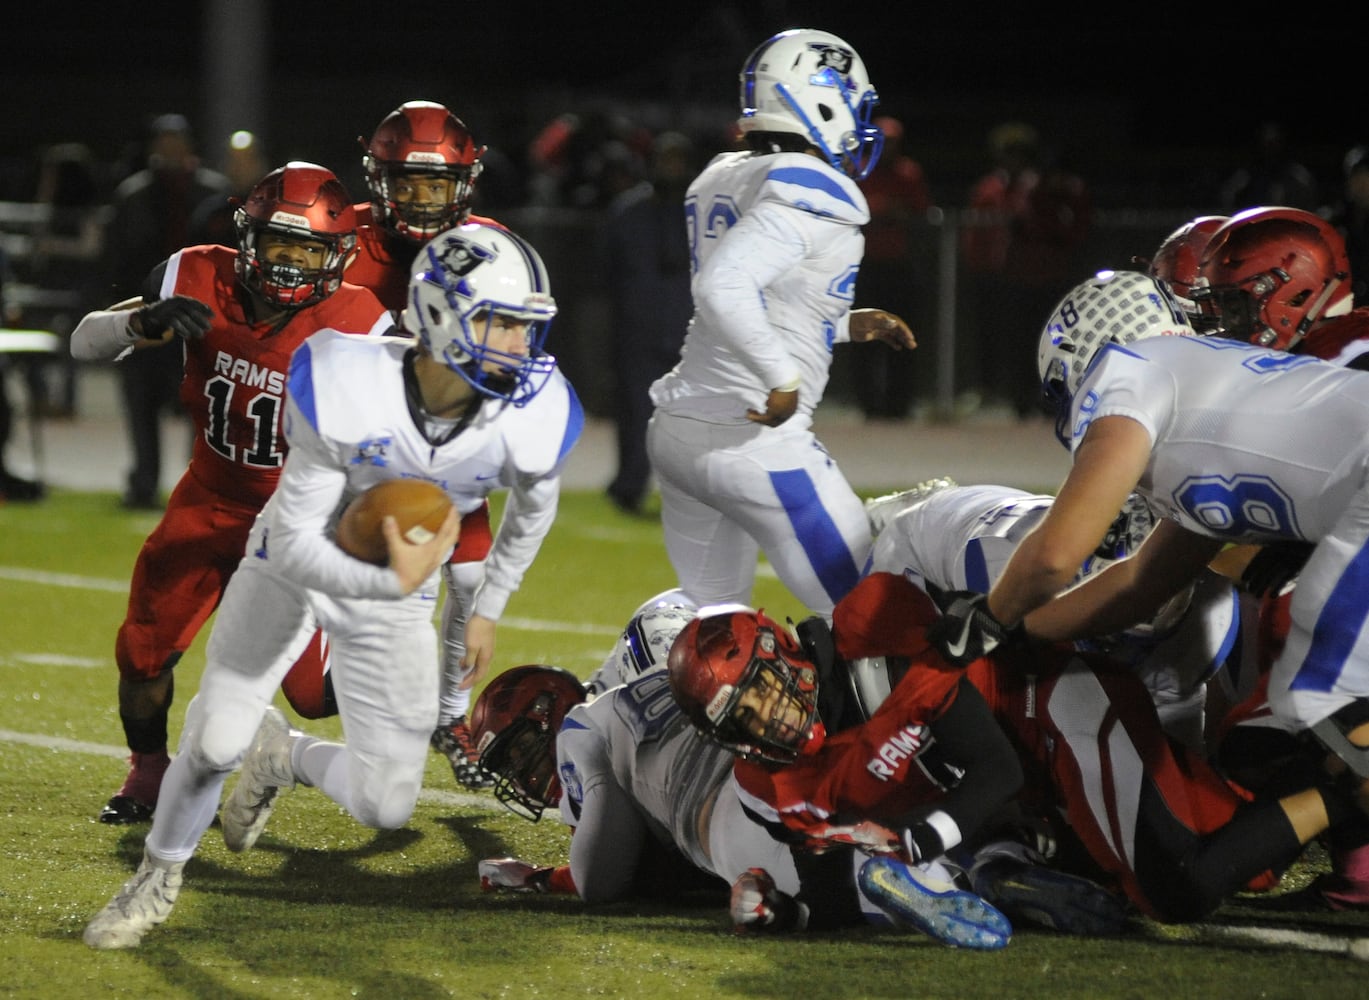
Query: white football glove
[757, 905]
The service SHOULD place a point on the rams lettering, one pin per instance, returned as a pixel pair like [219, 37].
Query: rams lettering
[906, 744]
[248, 374]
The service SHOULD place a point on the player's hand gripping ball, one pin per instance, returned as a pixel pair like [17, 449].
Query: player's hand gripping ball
[418, 507]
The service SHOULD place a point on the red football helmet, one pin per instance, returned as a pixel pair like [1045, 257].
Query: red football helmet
[421, 137]
[1176, 261]
[1269, 274]
[514, 724]
[300, 202]
[745, 681]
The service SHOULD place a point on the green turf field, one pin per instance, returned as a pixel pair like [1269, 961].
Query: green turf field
[325, 908]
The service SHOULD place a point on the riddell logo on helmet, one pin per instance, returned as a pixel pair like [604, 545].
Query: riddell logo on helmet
[423, 156]
[283, 218]
[906, 744]
[717, 705]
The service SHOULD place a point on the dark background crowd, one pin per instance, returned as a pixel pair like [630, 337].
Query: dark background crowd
[1026, 148]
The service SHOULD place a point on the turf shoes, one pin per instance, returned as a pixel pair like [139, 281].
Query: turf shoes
[136, 799]
[911, 897]
[453, 741]
[1045, 897]
[266, 772]
[144, 902]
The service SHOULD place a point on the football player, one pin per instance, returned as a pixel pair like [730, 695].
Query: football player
[775, 238]
[1177, 258]
[645, 643]
[236, 315]
[421, 165]
[470, 403]
[1170, 832]
[945, 537]
[1281, 276]
[1230, 443]
[649, 798]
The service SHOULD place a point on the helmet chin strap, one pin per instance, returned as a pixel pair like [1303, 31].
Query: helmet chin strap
[1314, 312]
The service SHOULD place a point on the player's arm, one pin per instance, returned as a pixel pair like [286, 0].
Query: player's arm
[529, 514]
[1129, 591]
[876, 324]
[147, 321]
[729, 293]
[609, 831]
[1107, 465]
[967, 738]
[300, 544]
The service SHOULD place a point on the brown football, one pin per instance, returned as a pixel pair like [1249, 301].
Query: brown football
[417, 505]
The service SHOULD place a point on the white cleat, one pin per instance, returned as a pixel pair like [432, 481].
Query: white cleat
[144, 902]
[266, 772]
[882, 510]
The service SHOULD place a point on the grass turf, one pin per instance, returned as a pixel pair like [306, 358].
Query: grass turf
[326, 908]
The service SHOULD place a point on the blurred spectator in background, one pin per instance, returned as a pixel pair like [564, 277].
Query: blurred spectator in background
[1029, 216]
[150, 222]
[584, 160]
[893, 274]
[12, 487]
[62, 270]
[1350, 216]
[244, 163]
[646, 265]
[1273, 176]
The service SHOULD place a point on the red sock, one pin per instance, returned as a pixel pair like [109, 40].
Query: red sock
[144, 779]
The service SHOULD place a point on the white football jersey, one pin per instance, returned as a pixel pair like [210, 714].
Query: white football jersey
[349, 425]
[958, 538]
[772, 298]
[636, 737]
[1247, 444]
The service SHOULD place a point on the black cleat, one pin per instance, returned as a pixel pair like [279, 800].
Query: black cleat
[123, 810]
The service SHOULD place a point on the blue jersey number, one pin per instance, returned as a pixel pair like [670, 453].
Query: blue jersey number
[1238, 506]
[650, 706]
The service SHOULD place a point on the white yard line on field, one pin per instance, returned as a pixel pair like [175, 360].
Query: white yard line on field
[434, 796]
[71, 580]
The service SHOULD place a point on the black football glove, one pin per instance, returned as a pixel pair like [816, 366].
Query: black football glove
[1274, 566]
[967, 630]
[187, 318]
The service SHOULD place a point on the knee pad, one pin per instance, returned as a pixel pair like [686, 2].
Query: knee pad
[384, 803]
[218, 737]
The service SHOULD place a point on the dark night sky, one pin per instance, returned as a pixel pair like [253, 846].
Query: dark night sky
[1115, 77]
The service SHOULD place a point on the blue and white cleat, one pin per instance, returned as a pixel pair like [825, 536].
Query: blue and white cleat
[913, 898]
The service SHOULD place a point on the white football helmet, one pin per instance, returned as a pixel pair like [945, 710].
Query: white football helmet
[1112, 307]
[458, 283]
[813, 84]
[645, 643]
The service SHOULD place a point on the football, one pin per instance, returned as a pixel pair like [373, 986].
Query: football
[418, 506]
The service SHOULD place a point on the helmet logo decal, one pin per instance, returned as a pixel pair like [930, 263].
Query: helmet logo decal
[461, 257]
[833, 57]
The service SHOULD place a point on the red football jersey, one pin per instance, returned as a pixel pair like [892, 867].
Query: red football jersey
[1339, 340]
[382, 262]
[871, 772]
[234, 383]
